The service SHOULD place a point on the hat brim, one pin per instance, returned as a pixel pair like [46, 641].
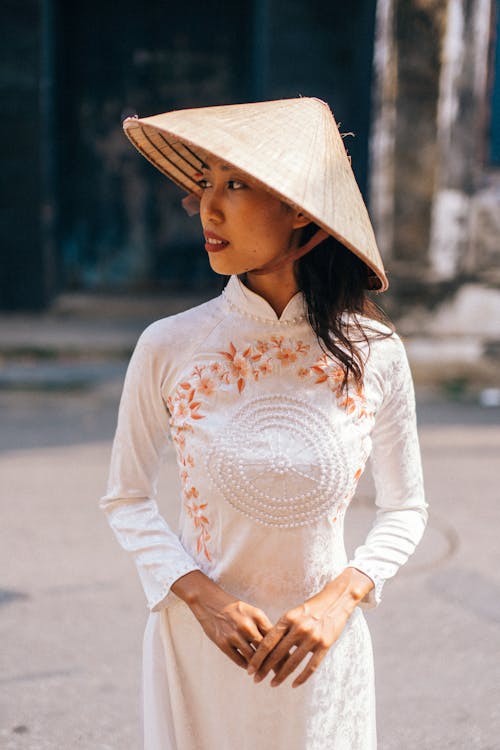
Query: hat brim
[181, 160]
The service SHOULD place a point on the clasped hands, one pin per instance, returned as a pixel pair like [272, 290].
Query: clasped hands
[247, 636]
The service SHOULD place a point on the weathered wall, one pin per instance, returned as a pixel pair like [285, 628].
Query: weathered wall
[404, 142]
[461, 134]
[435, 197]
[418, 26]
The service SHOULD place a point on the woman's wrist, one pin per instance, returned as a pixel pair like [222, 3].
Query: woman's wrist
[351, 584]
[360, 584]
[191, 587]
[195, 588]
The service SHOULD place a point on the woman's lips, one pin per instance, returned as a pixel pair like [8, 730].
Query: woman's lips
[214, 243]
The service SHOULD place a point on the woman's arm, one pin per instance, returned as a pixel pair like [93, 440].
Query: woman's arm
[401, 515]
[139, 446]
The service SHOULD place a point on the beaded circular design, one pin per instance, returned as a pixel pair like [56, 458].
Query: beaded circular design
[281, 462]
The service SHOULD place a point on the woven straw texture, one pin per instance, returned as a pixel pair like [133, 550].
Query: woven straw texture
[291, 147]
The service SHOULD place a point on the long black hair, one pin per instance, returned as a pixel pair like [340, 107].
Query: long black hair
[334, 282]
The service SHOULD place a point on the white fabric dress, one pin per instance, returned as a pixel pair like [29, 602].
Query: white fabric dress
[270, 452]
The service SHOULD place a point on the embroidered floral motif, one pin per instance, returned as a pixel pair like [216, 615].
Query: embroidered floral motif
[200, 521]
[236, 368]
[183, 408]
[325, 370]
[257, 359]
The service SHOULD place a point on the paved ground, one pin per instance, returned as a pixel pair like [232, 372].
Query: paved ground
[72, 611]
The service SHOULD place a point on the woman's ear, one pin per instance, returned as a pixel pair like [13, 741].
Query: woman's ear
[300, 221]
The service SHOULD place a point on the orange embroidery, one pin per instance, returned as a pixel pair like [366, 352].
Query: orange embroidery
[342, 509]
[265, 368]
[207, 385]
[250, 362]
[325, 370]
[287, 356]
[200, 522]
[262, 346]
[183, 408]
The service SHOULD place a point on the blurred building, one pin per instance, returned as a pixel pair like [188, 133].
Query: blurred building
[435, 170]
[417, 81]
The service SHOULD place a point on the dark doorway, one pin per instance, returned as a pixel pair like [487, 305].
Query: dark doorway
[121, 224]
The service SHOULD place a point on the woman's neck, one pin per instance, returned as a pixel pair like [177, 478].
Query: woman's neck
[277, 287]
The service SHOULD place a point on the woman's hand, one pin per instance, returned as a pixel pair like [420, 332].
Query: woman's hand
[233, 625]
[310, 628]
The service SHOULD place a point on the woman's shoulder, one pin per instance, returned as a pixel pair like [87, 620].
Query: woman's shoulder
[373, 332]
[382, 343]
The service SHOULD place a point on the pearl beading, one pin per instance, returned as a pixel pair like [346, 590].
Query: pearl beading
[272, 441]
[260, 319]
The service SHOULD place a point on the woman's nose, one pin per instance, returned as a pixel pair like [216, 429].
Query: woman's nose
[211, 205]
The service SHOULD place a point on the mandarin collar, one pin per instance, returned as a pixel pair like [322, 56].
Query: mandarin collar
[244, 300]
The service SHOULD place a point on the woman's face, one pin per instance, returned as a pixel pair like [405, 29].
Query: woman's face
[244, 226]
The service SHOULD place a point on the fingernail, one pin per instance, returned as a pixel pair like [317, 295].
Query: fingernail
[274, 683]
[258, 678]
[251, 670]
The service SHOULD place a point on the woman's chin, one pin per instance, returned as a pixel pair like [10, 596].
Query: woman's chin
[224, 266]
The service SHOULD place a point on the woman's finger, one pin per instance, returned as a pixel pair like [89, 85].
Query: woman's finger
[253, 634]
[266, 645]
[280, 651]
[278, 666]
[243, 646]
[235, 656]
[310, 667]
[290, 664]
[263, 622]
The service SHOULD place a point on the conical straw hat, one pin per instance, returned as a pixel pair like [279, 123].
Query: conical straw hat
[291, 147]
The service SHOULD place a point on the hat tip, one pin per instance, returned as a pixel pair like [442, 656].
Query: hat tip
[128, 114]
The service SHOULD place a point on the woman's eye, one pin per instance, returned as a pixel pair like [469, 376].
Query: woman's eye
[232, 184]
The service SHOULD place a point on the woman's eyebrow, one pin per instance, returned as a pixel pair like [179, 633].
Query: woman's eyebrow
[223, 167]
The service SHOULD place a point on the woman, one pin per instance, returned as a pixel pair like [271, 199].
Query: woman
[275, 394]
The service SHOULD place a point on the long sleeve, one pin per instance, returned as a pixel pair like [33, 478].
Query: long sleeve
[139, 447]
[401, 515]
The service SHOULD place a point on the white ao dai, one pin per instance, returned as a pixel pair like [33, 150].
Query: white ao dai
[270, 451]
